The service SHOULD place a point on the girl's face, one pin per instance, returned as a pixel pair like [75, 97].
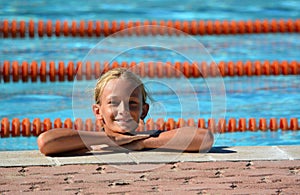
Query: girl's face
[121, 106]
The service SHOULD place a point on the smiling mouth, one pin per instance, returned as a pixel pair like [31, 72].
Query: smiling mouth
[127, 125]
[124, 120]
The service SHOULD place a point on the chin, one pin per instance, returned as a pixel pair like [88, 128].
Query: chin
[128, 129]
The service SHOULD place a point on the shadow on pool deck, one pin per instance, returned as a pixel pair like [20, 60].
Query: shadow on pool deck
[218, 149]
[222, 149]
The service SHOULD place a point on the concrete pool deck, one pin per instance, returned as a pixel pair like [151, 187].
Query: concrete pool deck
[224, 170]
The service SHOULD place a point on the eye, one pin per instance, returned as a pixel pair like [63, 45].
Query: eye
[113, 102]
[133, 104]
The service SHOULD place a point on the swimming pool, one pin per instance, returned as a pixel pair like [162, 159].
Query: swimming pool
[246, 97]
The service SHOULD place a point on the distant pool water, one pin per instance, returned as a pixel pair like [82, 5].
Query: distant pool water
[246, 97]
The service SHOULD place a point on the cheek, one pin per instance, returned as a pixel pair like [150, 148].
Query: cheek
[136, 114]
[108, 113]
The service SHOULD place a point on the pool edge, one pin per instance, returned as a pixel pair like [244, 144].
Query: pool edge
[240, 153]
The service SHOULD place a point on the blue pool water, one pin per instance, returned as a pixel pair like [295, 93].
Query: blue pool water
[246, 97]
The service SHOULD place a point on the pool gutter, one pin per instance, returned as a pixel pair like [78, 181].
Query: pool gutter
[241, 153]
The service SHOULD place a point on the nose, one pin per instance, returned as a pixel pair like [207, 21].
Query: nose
[123, 109]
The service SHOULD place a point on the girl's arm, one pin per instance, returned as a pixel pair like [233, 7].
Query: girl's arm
[189, 139]
[62, 140]
[66, 140]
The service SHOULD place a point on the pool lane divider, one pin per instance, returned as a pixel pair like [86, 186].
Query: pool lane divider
[17, 127]
[60, 71]
[83, 28]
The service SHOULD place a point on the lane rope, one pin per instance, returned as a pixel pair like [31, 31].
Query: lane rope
[60, 71]
[83, 28]
[24, 127]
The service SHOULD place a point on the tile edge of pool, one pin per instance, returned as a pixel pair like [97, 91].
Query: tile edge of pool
[240, 153]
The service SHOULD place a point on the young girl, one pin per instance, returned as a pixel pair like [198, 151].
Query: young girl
[120, 104]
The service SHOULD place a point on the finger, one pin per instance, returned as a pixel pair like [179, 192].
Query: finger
[125, 139]
[129, 138]
[140, 136]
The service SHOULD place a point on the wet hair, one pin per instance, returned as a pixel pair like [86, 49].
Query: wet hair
[117, 73]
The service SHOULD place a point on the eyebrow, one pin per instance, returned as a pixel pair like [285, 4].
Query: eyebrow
[111, 96]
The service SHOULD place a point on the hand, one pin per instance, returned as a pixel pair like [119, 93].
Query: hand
[125, 143]
[135, 145]
[122, 139]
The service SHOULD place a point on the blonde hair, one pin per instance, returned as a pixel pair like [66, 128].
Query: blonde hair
[115, 74]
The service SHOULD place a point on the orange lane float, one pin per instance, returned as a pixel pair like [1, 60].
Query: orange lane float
[60, 71]
[16, 127]
[98, 28]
